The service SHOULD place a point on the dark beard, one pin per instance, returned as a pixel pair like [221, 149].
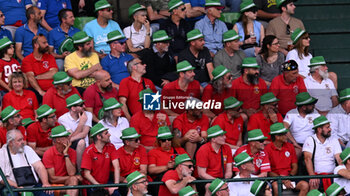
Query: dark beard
[325, 135]
[253, 78]
[108, 88]
[43, 50]
[86, 53]
[307, 111]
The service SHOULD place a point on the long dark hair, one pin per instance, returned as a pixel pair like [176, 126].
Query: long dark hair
[264, 52]
[299, 46]
[244, 19]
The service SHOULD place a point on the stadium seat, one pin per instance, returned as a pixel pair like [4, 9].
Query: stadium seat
[81, 21]
[229, 17]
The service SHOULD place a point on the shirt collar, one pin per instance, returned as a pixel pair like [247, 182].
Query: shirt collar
[132, 29]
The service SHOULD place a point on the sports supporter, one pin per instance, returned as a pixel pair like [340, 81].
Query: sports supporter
[38, 133]
[181, 89]
[262, 188]
[187, 191]
[56, 96]
[137, 183]
[8, 64]
[191, 126]
[112, 120]
[98, 160]
[218, 188]
[97, 93]
[178, 178]
[321, 152]
[147, 123]
[267, 11]
[267, 116]
[344, 170]
[60, 161]
[335, 189]
[230, 56]
[214, 159]
[24, 34]
[287, 85]
[249, 87]
[11, 119]
[20, 98]
[255, 149]
[49, 11]
[198, 56]
[283, 159]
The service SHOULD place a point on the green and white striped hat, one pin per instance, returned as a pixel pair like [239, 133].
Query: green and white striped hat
[164, 133]
[129, 133]
[246, 5]
[61, 77]
[250, 62]
[173, 4]
[219, 72]
[314, 192]
[255, 135]
[216, 185]
[304, 98]
[59, 131]
[277, 128]
[5, 42]
[297, 33]
[67, 45]
[115, 35]
[230, 35]
[242, 158]
[96, 129]
[256, 186]
[73, 100]
[134, 8]
[184, 66]
[44, 110]
[187, 191]
[334, 189]
[133, 177]
[213, 3]
[102, 4]
[8, 112]
[81, 37]
[319, 121]
[317, 61]
[182, 158]
[268, 98]
[232, 102]
[345, 155]
[111, 104]
[215, 131]
[344, 95]
[160, 36]
[193, 35]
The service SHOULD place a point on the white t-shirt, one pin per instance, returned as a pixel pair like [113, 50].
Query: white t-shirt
[116, 132]
[324, 161]
[340, 122]
[137, 37]
[241, 188]
[343, 182]
[300, 127]
[302, 63]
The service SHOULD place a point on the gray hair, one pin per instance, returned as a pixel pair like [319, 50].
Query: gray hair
[130, 64]
[11, 135]
[313, 69]
[108, 116]
[218, 85]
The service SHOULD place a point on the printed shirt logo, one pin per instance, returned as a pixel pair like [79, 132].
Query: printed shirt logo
[46, 64]
[310, 119]
[137, 161]
[295, 89]
[287, 154]
[327, 87]
[328, 150]
[30, 101]
[151, 101]
[107, 155]
[256, 90]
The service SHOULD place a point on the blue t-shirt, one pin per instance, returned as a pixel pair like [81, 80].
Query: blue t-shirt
[94, 30]
[116, 67]
[57, 35]
[5, 33]
[14, 10]
[52, 8]
[24, 35]
[195, 3]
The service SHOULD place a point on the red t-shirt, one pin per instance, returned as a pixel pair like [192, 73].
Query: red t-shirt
[160, 157]
[172, 94]
[249, 94]
[146, 128]
[7, 68]
[52, 99]
[47, 62]
[286, 93]
[131, 162]
[99, 164]
[281, 160]
[261, 159]
[182, 123]
[37, 135]
[209, 94]
[26, 102]
[93, 100]
[258, 121]
[53, 159]
[233, 130]
[3, 132]
[130, 89]
[169, 175]
[206, 157]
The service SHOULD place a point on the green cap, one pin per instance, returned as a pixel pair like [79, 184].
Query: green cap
[134, 8]
[246, 5]
[194, 34]
[317, 61]
[61, 77]
[304, 98]
[8, 112]
[319, 121]
[27, 194]
[74, 100]
[250, 62]
[129, 133]
[44, 110]
[81, 37]
[215, 131]
[345, 155]
[256, 186]
[314, 192]
[143, 92]
[111, 104]
[216, 185]
[59, 131]
[277, 128]
[344, 95]
[268, 98]
[242, 158]
[133, 177]
[219, 72]
[213, 3]
[27, 121]
[296, 34]
[102, 4]
[173, 4]
[5, 42]
[184, 66]
[160, 36]
[187, 191]
[280, 2]
[115, 35]
[230, 35]
[232, 102]
[182, 158]
[164, 133]
[96, 129]
[255, 135]
[67, 45]
[334, 189]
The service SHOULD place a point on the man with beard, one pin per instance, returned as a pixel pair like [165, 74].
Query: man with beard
[320, 86]
[137, 183]
[83, 63]
[97, 93]
[24, 34]
[77, 121]
[40, 66]
[191, 126]
[320, 152]
[287, 85]
[249, 87]
[178, 178]
[299, 120]
[11, 119]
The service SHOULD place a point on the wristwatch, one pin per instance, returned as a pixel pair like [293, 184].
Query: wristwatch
[66, 155]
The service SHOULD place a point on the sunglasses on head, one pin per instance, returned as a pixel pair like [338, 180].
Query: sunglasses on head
[288, 29]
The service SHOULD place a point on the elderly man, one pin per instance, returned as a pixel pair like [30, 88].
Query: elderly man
[344, 170]
[11, 119]
[137, 183]
[60, 160]
[320, 86]
[211, 27]
[178, 178]
[15, 154]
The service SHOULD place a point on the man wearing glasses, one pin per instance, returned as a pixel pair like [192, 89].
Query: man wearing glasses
[137, 183]
[11, 119]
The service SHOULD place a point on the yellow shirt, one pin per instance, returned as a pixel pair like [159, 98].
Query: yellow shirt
[74, 61]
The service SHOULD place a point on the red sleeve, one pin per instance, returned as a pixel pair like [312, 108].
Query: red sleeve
[218, 121]
[152, 159]
[238, 151]
[113, 152]
[228, 151]
[208, 90]
[201, 158]
[169, 175]
[72, 156]
[86, 162]
[2, 137]
[48, 159]
[265, 165]
[143, 154]
[47, 98]
[123, 88]
[274, 88]
[89, 97]
[253, 123]
[31, 132]
[26, 66]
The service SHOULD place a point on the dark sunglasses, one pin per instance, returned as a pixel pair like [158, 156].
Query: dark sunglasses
[189, 166]
[54, 116]
[80, 105]
[288, 29]
[281, 134]
[107, 9]
[2, 15]
[164, 140]
[134, 140]
[183, 9]
[261, 141]
[308, 37]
